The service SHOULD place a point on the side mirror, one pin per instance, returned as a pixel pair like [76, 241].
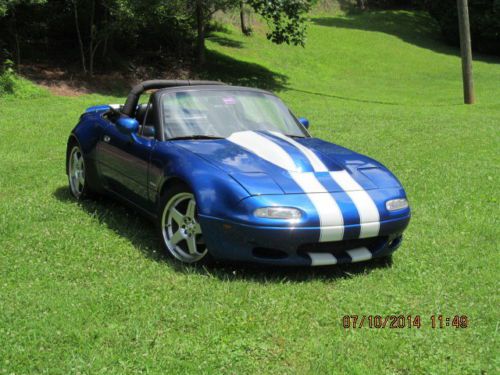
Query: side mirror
[304, 122]
[127, 125]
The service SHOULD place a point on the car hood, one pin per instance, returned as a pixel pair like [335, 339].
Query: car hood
[271, 163]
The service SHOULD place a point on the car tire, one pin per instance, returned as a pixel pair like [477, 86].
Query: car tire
[179, 229]
[77, 172]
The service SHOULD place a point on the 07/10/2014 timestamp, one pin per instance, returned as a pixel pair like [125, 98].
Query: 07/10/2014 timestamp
[404, 321]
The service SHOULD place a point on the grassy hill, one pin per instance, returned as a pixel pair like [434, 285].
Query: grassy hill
[84, 290]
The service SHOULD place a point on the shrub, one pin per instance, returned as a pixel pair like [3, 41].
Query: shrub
[11, 85]
[7, 78]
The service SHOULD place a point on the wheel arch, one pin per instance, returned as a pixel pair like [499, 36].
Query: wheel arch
[93, 175]
[169, 182]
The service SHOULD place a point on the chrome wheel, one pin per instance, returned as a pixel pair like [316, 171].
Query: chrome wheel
[76, 172]
[181, 230]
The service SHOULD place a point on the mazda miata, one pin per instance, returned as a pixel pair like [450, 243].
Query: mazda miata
[229, 173]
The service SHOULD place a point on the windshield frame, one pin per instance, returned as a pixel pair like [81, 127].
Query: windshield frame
[159, 99]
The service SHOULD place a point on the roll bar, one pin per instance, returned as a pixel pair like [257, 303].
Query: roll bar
[134, 94]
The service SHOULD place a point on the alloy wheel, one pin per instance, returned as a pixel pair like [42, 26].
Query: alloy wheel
[180, 228]
[76, 172]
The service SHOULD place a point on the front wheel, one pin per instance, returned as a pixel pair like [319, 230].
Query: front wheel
[179, 227]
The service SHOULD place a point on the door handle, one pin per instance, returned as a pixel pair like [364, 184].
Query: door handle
[107, 138]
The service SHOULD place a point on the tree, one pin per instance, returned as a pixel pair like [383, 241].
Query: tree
[94, 37]
[90, 31]
[201, 19]
[285, 19]
[203, 11]
[8, 8]
[99, 25]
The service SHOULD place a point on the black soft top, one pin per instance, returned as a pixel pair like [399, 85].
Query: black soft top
[134, 94]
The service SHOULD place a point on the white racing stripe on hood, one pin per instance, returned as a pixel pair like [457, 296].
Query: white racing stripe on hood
[367, 210]
[264, 148]
[330, 215]
[316, 163]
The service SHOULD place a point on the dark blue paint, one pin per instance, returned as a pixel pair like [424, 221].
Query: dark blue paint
[304, 122]
[128, 126]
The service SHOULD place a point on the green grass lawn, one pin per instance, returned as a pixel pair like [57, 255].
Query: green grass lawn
[83, 288]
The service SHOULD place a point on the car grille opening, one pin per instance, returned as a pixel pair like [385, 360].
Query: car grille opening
[395, 242]
[267, 253]
[339, 247]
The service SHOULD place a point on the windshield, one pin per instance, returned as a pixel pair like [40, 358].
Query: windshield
[220, 113]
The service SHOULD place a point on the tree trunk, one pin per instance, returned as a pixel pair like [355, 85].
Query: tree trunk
[92, 37]
[105, 47]
[18, 53]
[243, 21]
[106, 37]
[80, 41]
[17, 45]
[200, 22]
[361, 4]
[92, 57]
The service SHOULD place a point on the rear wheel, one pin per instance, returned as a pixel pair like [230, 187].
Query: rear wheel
[180, 229]
[78, 185]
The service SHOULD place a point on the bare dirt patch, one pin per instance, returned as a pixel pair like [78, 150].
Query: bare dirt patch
[62, 82]
[67, 83]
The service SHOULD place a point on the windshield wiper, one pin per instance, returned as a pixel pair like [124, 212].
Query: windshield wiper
[194, 137]
[294, 136]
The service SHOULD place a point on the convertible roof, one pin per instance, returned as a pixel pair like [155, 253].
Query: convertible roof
[134, 94]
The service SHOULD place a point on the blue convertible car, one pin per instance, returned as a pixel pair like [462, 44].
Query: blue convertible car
[228, 173]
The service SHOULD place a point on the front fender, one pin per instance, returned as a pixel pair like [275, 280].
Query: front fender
[216, 193]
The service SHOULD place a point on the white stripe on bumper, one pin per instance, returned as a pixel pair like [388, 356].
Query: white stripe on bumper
[325, 259]
[322, 259]
[360, 254]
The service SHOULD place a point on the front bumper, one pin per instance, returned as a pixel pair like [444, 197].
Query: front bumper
[297, 246]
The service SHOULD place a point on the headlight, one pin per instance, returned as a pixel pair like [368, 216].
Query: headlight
[286, 213]
[396, 204]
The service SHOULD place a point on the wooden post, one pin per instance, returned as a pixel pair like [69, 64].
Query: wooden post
[466, 51]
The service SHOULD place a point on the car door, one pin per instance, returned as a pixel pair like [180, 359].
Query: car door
[124, 161]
